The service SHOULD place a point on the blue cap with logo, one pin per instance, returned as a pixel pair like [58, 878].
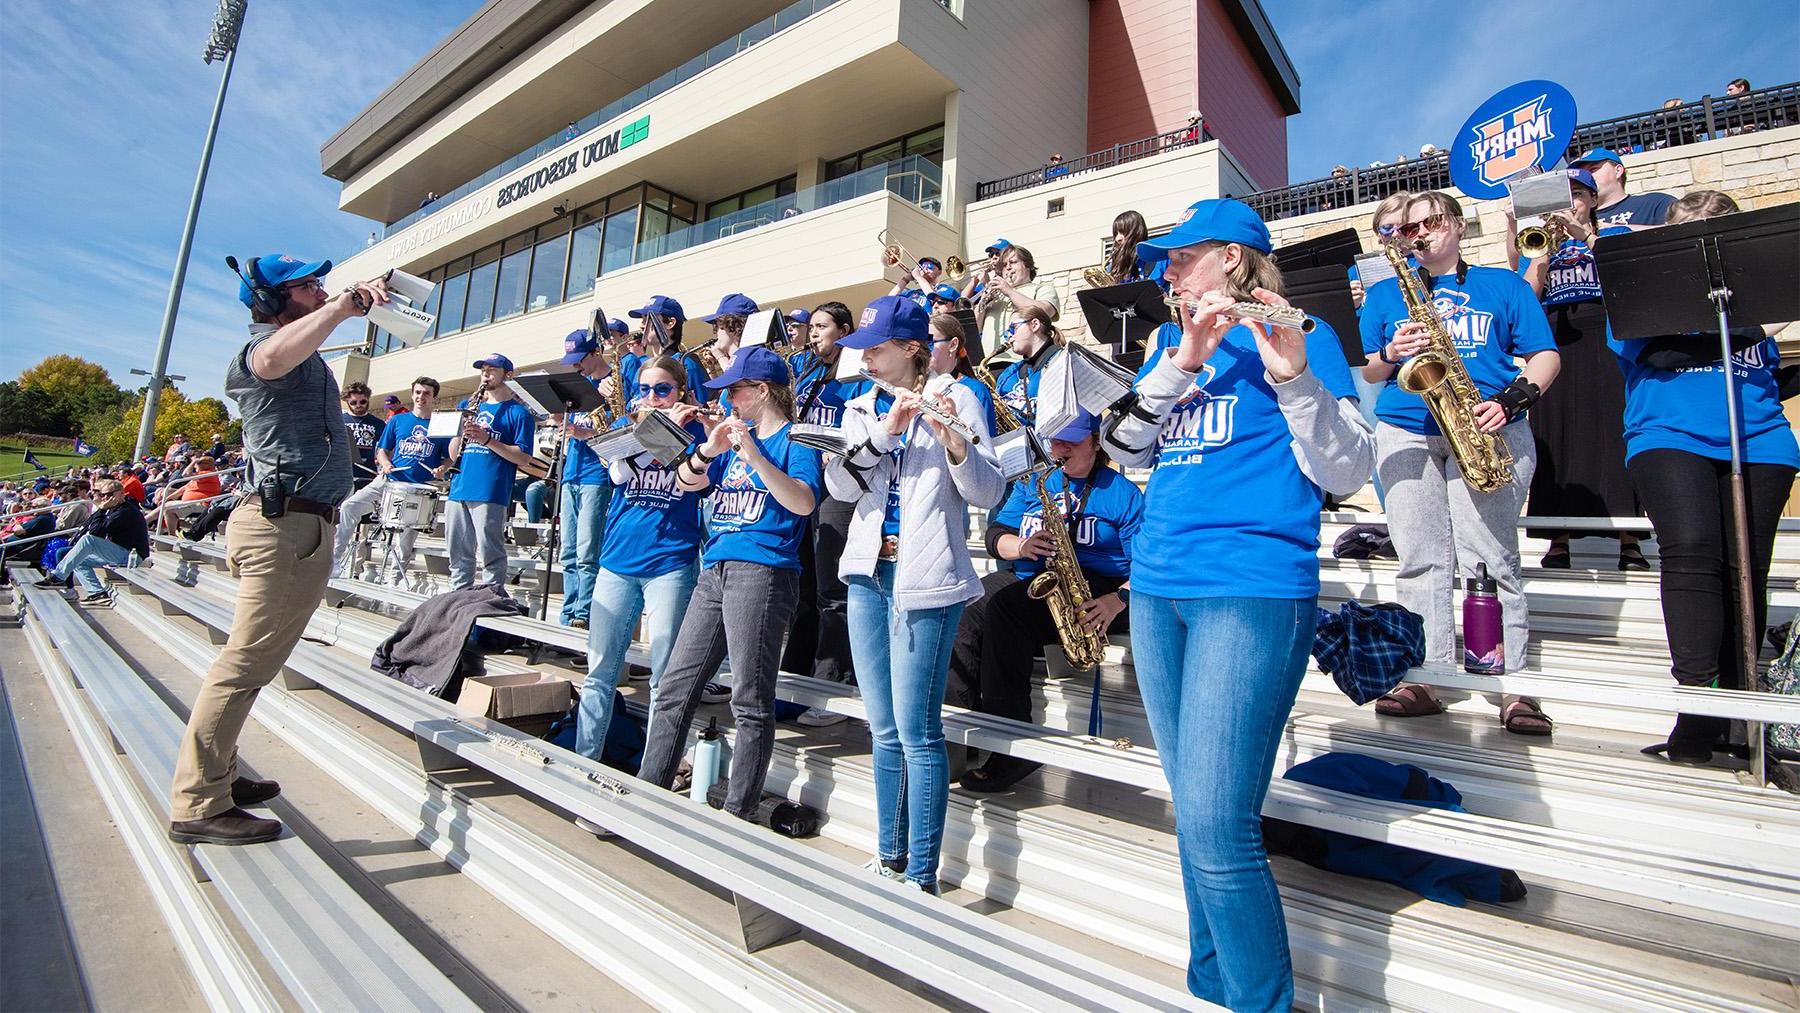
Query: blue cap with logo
[1078, 429]
[276, 270]
[578, 346]
[497, 360]
[753, 363]
[1584, 177]
[947, 293]
[800, 316]
[999, 246]
[933, 261]
[735, 304]
[889, 318]
[1219, 220]
[662, 306]
[1599, 155]
[617, 326]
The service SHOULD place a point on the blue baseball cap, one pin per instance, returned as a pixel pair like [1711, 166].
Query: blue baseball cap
[753, 363]
[933, 261]
[999, 246]
[1584, 177]
[1599, 155]
[889, 318]
[662, 306]
[1220, 220]
[1079, 429]
[496, 359]
[948, 293]
[800, 316]
[735, 304]
[576, 347]
[617, 326]
[276, 270]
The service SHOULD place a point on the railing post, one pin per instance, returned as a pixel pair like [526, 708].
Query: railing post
[1355, 186]
[1706, 106]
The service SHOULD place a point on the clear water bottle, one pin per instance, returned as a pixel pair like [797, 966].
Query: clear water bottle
[133, 561]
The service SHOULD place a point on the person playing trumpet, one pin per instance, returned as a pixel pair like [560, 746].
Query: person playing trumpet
[912, 480]
[1008, 287]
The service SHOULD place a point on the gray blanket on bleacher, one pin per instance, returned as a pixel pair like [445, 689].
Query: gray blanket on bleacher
[425, 650]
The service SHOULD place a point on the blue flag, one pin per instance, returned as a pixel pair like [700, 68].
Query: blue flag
[31, 459]
[84, 448]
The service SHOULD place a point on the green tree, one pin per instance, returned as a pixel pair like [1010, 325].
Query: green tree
[199, 419]
[66, 389]
[68, 376]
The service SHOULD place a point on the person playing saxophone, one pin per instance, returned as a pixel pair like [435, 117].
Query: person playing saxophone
[999, 635]
[1437, 515]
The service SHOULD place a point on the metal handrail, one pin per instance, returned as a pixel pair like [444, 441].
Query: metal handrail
[1707, 119]
[1118, 154]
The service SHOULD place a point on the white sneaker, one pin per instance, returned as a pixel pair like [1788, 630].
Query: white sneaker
[594, 828]
[819, 717]
[874, 865]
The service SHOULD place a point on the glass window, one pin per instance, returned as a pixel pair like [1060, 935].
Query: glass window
[515, 271]
[683, 209]
[929, 143]
[481, 293]
[757, 196]
[723, 207]
[840, 168]
[547, 272]
[431, 301]
[584, 260]
[884, 153]
[621, 238]
[655, 226]
[455, 291]
[522, 241]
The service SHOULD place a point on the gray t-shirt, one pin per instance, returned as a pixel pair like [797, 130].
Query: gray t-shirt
[295, 420]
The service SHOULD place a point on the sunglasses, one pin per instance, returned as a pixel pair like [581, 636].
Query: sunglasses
[1432, 223]
[658, 389]
[1387, 231]
[354, 403]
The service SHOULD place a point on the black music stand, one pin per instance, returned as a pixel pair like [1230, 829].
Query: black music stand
[1698, 277]
[555, 394]
[1324, 292]
[1125, 318]
[1334, 249]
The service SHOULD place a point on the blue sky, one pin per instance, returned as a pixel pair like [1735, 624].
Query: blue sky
[103, 104]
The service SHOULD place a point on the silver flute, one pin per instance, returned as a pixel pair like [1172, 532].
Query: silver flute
[1290, 317]
[929, 407]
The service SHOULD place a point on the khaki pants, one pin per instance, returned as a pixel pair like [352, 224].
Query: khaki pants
[282, 565]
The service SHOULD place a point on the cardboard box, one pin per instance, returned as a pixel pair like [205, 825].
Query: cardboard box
[519, 695]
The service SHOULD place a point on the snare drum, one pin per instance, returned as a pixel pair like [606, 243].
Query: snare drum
[408, 506]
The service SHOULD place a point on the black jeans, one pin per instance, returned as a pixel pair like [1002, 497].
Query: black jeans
[1012, 629]
[963, 688]
[740, 609]
[820, 644]
[1688, 498]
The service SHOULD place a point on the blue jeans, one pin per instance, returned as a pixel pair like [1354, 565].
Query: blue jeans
[1219, 676]
[583, 524]
[89, 552]
[534, 495]
[619, 599]
[901, 661]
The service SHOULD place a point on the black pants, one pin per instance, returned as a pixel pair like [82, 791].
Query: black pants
[820, 639]
[1009, 630]
[1688, 498]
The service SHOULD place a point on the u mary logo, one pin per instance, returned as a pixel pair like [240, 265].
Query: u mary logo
[1521, 129]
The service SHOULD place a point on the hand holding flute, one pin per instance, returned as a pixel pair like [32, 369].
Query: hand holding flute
[939, 410]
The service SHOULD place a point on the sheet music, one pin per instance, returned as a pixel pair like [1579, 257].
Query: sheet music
[444, 425]
[661, 437]
[615, 444]
[849, 364]
[762, 327]
[1372, 268]
[1014, 453]
[825, 439]
[1056, 401]
[1099, 382]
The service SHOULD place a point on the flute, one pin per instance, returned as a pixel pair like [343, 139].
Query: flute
[1290, 317]
[929, 407]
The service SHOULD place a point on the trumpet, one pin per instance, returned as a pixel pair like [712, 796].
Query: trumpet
[956, 269]
[1290, 317]
[1099, 277]
[895, 255]
[1535, 241]
[928, 407]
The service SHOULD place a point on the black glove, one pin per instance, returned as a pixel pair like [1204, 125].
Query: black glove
[1517, 397]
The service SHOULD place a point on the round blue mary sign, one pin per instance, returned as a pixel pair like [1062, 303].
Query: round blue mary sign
[1524, 128]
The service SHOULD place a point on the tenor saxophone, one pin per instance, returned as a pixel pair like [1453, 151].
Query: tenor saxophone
[1064, 588]
[1005, 420]
[1438, 375]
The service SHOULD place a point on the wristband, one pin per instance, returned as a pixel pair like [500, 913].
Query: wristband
[704, 459]
[1517, 397]
[1382, 355]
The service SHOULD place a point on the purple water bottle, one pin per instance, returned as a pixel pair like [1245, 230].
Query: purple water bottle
[1484, 646]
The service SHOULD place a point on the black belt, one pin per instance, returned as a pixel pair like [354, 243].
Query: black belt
[300, 504]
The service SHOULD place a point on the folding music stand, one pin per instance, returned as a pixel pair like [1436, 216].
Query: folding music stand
[1334, 249]
[555, 394]
[1697, 277]
[1324, 292]
[1124, 317]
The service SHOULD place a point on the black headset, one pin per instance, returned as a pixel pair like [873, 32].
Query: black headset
[268, 300]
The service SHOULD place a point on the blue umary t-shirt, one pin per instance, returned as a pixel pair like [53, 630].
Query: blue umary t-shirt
[1572, 277]
[1102, 528]
[748, 524]
[652, 525]
[1684, 409]
[819, 398]
[1492, 317]
[1228, 512]
[412, 452]
[1018, 384]
[1324, 354]
[486, 477]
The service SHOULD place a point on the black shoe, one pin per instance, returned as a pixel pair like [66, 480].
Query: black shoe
[233, 826]
[1694, 737]
[50, 583]
[1632, 558]
[244, 791]
[999, 773]
[1556, 559]
[97, 598]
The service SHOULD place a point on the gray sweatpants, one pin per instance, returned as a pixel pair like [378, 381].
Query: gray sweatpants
[471, 529]
[740, 609]
[1442, 528]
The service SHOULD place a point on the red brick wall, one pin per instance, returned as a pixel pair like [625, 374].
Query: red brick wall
[1151, 61]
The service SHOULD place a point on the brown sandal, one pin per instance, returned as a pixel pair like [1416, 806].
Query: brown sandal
[1529, 721]
[1408, 702]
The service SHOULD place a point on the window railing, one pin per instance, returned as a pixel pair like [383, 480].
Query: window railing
[1105, 158]
[1672, 126]
[780, 21]
[914, 179]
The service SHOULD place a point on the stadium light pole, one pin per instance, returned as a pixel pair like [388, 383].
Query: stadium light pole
[220, 45]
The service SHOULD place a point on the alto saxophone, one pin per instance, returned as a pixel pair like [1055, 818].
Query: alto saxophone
[1005, 420]
[615, 403]
[1062, 586]
[1438, 375]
